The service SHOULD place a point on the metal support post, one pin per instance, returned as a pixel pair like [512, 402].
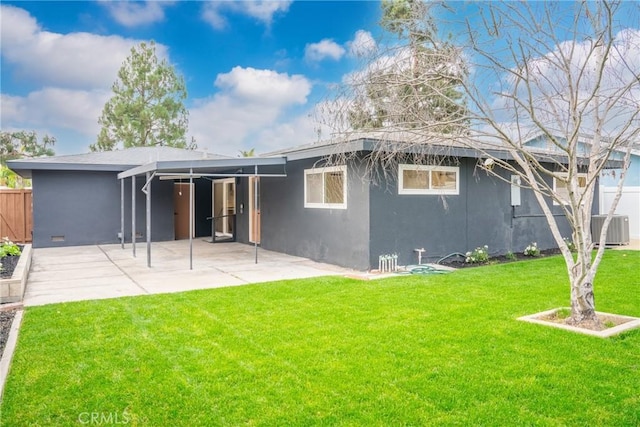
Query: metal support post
[255, 209]
[133, 215]
[122, 213]
[190, 219]
[148, 193]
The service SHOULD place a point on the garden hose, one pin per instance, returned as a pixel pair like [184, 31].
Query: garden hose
[458, 254]
[422, 270]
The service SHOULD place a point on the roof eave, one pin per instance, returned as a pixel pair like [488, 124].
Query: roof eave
[187, 165]
[24, 168]
[372, 144]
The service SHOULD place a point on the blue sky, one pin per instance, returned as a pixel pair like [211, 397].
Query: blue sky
[254, 70]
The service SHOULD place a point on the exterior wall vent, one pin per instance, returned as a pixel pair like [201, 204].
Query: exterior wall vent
[617, 233]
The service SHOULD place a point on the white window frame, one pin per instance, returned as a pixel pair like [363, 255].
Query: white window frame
[428, 191]
[324, 170]
[565, 175]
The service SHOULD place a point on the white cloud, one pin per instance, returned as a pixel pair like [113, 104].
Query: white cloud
[249, 102]
[549, 77]
[131, 14]
[76, 60]
[362, 44]
[297, 130]
[211, 13]
[70, 109]
[264, 86]
[325, 48]
[263, 11]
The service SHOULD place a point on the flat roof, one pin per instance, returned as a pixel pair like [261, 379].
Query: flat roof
[380, 141]
[139, 160]
[204, 166]
[108, 161]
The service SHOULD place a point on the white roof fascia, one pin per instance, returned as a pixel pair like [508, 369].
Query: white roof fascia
[202, 164]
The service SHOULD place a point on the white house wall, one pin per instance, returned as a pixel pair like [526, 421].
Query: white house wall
[628, 205]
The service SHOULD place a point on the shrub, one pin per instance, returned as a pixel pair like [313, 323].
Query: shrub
[8, 248]
[478, 255]
[532, 250]
[511, 256]
[570, 244]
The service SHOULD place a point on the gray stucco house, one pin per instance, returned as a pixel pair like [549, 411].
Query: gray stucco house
[303, 206]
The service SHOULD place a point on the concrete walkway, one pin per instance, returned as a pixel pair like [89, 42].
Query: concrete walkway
[634, 245]
[106, 271]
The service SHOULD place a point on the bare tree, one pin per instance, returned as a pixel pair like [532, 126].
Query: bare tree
[568, 73]
[413, 83]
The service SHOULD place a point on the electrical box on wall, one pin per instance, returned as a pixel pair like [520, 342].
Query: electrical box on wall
[515, 190]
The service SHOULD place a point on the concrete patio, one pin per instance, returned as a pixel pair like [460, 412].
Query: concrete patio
[107, 271]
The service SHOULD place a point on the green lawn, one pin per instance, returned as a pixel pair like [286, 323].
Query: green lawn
[431, 350]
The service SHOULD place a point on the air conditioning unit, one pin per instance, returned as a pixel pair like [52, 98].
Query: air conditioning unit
[617, 233]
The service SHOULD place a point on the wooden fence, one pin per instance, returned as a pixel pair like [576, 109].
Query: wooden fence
[16, 215]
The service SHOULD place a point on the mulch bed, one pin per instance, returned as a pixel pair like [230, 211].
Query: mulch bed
[8, 265]
[501, 259]
[6, 318]
[606, 321]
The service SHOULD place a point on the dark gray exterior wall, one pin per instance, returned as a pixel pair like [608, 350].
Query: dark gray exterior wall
[84, 207]
[242, 210]
[402, 223]
[481, 214]
[336, 236]
[379, 221]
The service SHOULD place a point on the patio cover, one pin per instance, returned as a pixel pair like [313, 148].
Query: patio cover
[183, 169]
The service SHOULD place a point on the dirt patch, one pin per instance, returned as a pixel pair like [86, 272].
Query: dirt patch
[6, 318]
[606, 321]
[610, 324]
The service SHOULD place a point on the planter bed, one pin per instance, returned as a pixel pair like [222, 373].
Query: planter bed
[12, 288]
[6, 318]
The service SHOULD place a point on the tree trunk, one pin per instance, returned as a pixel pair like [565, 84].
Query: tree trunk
[582, 301]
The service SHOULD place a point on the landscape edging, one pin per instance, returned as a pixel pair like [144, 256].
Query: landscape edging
[7, 355]
[12, 289]
[632, 323]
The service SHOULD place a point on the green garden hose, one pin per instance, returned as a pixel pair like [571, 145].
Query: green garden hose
[422, 270]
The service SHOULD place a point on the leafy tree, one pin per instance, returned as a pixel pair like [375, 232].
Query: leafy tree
[414, 85]
[247, 153]
[18, 145]
[24, 144]
[147, 106]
